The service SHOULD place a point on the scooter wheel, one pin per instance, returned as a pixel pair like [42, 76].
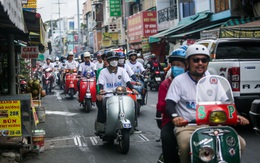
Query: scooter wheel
[124, 143]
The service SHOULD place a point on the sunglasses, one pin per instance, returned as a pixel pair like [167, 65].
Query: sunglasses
[197, 60]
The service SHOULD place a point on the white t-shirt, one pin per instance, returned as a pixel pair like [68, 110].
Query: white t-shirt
[111, 81]
[128, 70]
[56, 65]
[99, 65]
[83, 67]
[136, 67]
[45, 65]
[71, 65]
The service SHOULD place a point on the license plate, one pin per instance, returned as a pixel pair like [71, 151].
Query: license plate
[157, 79]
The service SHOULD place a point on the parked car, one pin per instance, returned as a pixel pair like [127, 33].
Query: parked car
[238, 60]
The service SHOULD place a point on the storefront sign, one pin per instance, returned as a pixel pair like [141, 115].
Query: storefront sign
[143, 24]
[31, 5]
[10, 118]
[29, 52]
[115, 8]
[145, 44]
[149, 23]
[229, 33]
[109, 39]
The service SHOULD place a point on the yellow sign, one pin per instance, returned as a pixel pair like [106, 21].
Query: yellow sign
[30, 4]
[227, 33]
[10, 118]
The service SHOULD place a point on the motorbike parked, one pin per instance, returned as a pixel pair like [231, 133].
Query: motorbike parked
[87, 90]
[47, 80]
[71, 81]
[215, 107]
[120, 119]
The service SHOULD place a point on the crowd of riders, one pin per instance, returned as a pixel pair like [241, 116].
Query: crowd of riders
[113, 68]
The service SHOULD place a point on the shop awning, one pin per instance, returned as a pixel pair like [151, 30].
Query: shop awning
[195, 31]
[186, 22]
[14, 12]
[234, 22]
[36, 28]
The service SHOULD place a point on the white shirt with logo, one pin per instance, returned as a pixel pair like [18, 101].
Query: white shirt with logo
[183, 92]
[83, 67]
[71, 64]
[136, 67]
[111, 81]
[45, 65]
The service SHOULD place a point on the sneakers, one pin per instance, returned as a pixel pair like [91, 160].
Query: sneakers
[136, 131]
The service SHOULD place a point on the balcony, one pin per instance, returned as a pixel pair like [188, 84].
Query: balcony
[167, 14]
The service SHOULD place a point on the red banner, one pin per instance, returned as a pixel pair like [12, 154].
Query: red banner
[140, 25]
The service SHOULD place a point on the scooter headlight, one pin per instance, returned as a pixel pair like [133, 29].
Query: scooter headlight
[206, 154]
[217, 117]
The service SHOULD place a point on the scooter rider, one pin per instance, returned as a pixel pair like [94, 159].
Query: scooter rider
[137, 68]
[121, 63]
[46, 65]
[99, 63]
[181, 97]
[87, 65]
[71, 63]
[109, 78]
[169, 142]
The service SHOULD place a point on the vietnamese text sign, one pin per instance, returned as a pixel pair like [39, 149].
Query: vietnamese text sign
[10, 118]
[239, 33]
[149, 23]
[143, 24]
[115, 7]
[29, 52]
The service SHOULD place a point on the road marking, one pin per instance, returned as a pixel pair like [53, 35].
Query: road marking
[57, 94]
[60, 113]
[93, 140]
[75, 141]
[79, 141]
[143, 137]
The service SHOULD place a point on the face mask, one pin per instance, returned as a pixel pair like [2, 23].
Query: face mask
[121, 61]
[113, 63]
[177, 70]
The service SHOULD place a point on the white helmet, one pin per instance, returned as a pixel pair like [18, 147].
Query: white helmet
[197, 49]
[57, 59]
[71, 53]
[87, 54]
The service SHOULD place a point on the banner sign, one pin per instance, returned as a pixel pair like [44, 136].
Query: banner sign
[115, 8]
[10, 118]
[29, 52]
[143, 24]
[239, 33]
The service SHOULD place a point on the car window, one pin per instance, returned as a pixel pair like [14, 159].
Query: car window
[238, 50]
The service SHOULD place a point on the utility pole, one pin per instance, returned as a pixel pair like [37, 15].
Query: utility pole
[60, 25]
[79, 34]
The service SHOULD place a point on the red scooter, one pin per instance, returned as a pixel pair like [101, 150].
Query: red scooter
[47, 79]
[71, 82]
[87, 91]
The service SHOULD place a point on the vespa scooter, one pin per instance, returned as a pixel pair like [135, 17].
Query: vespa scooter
[87, 91]
[216, 142]
[47, 80]
[71, 82]
[215, 106]
[120, 119]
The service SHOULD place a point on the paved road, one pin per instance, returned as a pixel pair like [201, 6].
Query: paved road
[70, 136]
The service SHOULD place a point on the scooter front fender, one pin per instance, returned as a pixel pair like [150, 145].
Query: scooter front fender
[223, 140]
[124, 124]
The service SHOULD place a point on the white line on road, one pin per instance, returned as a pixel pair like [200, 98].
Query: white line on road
[79, 141]
[93, 140]
[75, 141]
[143, 137]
